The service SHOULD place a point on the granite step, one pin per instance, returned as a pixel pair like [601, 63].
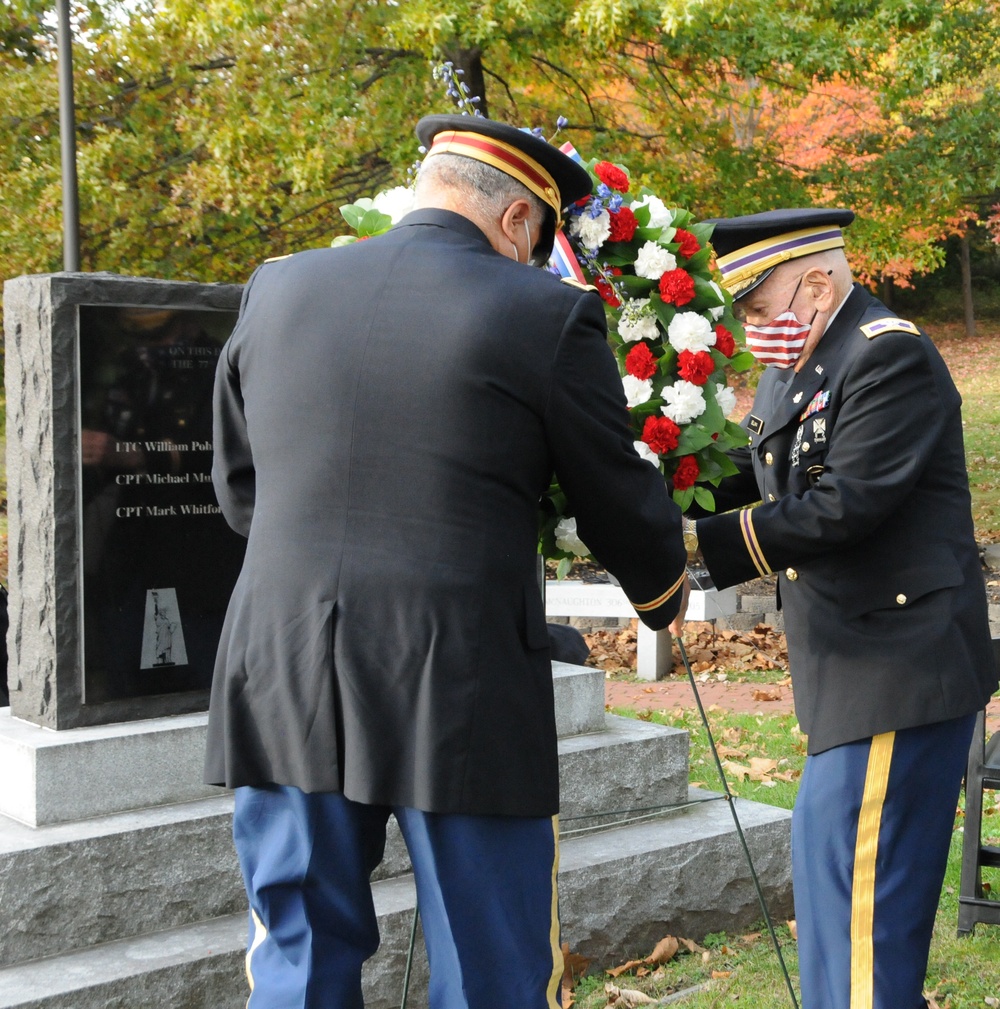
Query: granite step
[70, 885]
[621, 889]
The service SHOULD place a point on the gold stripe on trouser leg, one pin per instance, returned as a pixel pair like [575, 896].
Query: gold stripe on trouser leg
[259, 935]
[555, 981]
[863, 887]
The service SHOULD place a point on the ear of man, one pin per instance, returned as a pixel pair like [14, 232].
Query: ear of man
[820, 289]
[514, 218]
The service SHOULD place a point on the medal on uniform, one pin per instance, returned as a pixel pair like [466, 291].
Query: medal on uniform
[819, 402]
[797, 446]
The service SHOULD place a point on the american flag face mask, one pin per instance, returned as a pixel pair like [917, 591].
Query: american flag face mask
[780, 342]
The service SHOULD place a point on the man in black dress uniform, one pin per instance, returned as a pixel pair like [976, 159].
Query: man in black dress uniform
[387, 417]
[854, 490]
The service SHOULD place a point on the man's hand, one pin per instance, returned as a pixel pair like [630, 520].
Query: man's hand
[677, 624]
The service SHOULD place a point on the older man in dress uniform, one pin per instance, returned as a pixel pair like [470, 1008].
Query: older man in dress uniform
[387, 416]
[854, 491]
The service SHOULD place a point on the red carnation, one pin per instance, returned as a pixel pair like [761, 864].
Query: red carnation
[606, 291]
[687, 472]
[623, 225]
[640, 361]
[612, 176]
[724, 342]
[677, 287]
[695, 366]
[661, 434]
[689, 244]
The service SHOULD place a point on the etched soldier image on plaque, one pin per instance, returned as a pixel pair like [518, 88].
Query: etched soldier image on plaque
[159, 561]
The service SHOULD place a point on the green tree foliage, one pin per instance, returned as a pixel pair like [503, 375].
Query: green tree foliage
[214, 134]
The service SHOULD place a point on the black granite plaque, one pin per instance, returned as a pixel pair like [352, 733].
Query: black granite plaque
[158, 560]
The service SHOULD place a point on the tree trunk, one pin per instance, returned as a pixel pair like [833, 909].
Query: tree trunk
[970, 315]
[470, 62]
[887, 291]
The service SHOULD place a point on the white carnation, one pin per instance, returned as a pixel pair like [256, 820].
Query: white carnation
[685, 401]
[719, 310]
[645, 452]
[593, 232]
[396, 202]
[726, 399]
[568, 540]
[637, 390]
[690, 331]
[653, 261]
[638, 321]
[659, 216]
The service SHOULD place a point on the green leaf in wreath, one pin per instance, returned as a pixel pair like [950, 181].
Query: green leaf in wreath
[354, 212]
[704, 497]
[698, 264]
[726, 465]
[563, 567]
[683, 498]
[668, 360]
[692, 439]
[374, 223]
[703, 232]
[664, 312]
[636, 286]
[743, 361]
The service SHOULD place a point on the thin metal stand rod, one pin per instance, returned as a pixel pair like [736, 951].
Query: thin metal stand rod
[736, 821]
[409, 955]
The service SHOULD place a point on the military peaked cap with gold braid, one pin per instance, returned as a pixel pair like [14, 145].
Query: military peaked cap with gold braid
[749, 248]
[556, 179]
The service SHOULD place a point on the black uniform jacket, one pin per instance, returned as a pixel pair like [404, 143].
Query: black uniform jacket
[387, 417]
[865, 514]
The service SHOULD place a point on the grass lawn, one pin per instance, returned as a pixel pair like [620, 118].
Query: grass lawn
[744, 969]
[975, 366]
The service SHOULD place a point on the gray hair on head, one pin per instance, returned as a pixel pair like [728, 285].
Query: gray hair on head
[488, 190]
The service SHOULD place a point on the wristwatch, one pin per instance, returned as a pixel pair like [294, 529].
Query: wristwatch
[689, 531]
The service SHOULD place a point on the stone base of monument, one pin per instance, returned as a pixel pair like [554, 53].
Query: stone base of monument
[144, 906]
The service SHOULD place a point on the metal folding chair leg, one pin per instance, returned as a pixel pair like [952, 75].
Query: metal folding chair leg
[983, 773]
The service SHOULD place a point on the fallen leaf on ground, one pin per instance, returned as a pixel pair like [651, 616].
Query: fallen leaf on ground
[766, 694]
[731, 751]
[626, 998]
[664, 950]
[623, 967]
[793, 928]
[721, 973]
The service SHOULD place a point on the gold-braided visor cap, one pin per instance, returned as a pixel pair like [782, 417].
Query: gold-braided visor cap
[740, 269]
[506, 158]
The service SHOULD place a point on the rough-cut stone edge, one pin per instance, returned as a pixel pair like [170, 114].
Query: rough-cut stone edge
[42, 383]
[111, 878]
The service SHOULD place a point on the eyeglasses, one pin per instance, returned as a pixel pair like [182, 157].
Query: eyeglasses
[740, 310]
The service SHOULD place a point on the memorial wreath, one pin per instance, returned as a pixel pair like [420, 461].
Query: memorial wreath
[670, 326]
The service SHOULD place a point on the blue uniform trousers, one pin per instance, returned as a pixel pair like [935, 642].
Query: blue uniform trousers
[486, 887]
[870, 835]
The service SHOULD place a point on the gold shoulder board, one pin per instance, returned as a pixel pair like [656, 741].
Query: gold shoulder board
[573, 282]
[277, 259]
[889, 325]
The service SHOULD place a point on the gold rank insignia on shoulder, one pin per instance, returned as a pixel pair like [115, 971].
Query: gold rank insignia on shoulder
[277, 259]
[889, 325]
[573, 282]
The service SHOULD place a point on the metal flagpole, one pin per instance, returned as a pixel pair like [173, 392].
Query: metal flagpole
[67, 143]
